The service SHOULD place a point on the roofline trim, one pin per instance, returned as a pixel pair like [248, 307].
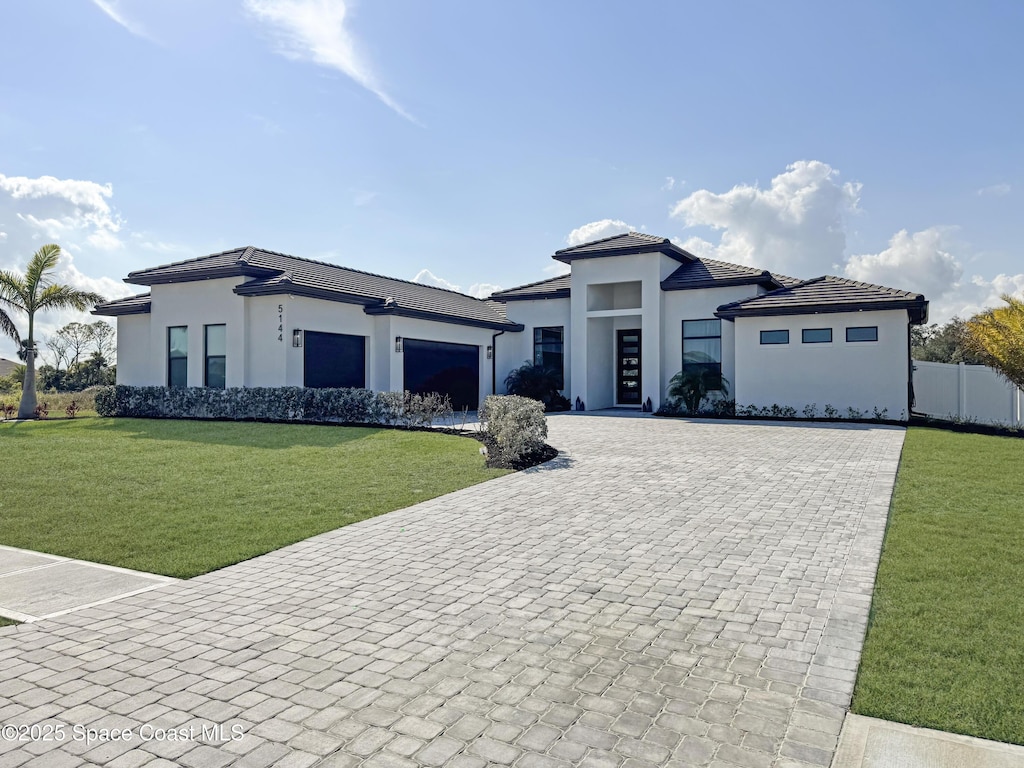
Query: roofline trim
[917, 308]
[420, 314]
[312, 292]
[725, 282]
[238, 269]
[112, 311]
[666, 248]
[561, 293]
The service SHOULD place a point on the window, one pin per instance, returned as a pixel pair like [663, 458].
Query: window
[866, 333]
[216, 344]
[177, 356]
[816, 336]
[549, 350]
[702, 348]
[775, 337]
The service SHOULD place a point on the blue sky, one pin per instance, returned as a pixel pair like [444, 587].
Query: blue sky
[875, 140]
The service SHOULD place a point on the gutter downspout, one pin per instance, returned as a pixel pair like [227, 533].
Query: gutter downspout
[494, 362]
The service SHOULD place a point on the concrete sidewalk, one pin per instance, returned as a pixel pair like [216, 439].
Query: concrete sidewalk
[869, 743]
[37, 586]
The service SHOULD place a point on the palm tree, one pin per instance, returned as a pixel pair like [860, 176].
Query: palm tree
[31, 294]
[693, 386]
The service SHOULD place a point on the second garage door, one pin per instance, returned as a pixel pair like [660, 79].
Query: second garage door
[448, 369]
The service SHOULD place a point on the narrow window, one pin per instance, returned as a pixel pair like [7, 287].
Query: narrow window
[702, 348]
[865, 333]
[216, 355]
[177, 356]
[816, 335]
[549, 350]
[775, 337]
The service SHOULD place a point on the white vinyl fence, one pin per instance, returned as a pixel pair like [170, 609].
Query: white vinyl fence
[970, 392]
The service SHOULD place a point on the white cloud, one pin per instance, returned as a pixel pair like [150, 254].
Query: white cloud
[597, 230]
[996, 190]
[669, 185]
[74, 213]
[924, 262]
[795, 225]
[113, 10]
[314, 30]
[556, 268]
[476, 290]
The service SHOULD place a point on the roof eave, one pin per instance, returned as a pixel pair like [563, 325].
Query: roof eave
[194, 275]
[720, 283]
[114, 311]
[916, 308]
[420, 314]
[666, 249]
[292, 289]
[561, 293]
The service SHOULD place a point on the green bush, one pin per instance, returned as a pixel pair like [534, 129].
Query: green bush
[515, 424]
[352, 406]
[538, 383]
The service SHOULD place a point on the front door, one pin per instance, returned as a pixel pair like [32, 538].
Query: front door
[627, 368]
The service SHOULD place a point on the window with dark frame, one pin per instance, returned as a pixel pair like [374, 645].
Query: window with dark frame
[816, 335]
[215, 344]
[775, 337]
[549, 350]
[862, 333]
[177, 356]
[702, 348]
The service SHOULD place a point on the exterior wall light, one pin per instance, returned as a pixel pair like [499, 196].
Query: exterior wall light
[297, 338]
[398, 343]
[490, 352]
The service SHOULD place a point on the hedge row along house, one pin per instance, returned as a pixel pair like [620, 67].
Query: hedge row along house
[633, 310]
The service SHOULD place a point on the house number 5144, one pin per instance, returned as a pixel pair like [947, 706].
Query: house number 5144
[280, 322]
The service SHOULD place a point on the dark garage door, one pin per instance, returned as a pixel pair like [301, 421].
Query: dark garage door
[334, 360]
[449, 369]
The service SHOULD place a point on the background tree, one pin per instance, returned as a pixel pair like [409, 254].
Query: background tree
[57, 343]
[943, 343]
[34, 293]
[997, 336]
[79, 338]
[104, 340]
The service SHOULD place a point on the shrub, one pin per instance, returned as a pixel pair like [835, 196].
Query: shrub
[42, 410]
[691, 387]
[538, 383]
[9, 409]
[72, 409]
[348, 405]
[515, 424]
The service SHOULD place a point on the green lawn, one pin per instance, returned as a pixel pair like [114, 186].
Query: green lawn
[185, 497]
[945, 648]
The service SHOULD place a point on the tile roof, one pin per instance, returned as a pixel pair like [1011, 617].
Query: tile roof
[277, 273]
[132, 305]
[552, 288]
[621, 245]
[827, 294]
[710, 273]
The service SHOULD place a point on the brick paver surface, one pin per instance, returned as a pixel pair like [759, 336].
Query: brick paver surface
[666, 594]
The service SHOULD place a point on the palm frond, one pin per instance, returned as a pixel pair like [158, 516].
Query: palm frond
[66, 297]
[12, 291]
[7, 327]
[44, 260]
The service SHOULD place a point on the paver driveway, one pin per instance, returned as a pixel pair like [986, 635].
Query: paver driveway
[669, 594]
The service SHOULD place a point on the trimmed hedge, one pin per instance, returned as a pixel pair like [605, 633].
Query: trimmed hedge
[345, 405]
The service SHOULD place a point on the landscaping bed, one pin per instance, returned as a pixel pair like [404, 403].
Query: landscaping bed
[181, 498]
[945, 647]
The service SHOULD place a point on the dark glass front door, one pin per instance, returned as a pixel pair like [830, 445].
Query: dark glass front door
[627, 367]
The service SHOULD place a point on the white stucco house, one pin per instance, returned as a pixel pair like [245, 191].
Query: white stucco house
[633, 311]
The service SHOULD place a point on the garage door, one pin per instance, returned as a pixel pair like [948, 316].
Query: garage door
[334, 360]
[448, 369]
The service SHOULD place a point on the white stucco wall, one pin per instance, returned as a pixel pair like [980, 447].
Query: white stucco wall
[590, 371]
[195, 304]
[698, 304]
[133, 350]
[860, 375]
[516, 348]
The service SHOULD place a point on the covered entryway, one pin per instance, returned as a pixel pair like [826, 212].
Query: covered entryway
[448, 369]
[334, 360]
[627, 370]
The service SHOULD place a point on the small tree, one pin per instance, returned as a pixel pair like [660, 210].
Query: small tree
[694, 385]
[33, 293]
[997, 336]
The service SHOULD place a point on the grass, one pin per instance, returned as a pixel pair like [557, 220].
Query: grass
[945, 648]
[181, 498]
[5, 622]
